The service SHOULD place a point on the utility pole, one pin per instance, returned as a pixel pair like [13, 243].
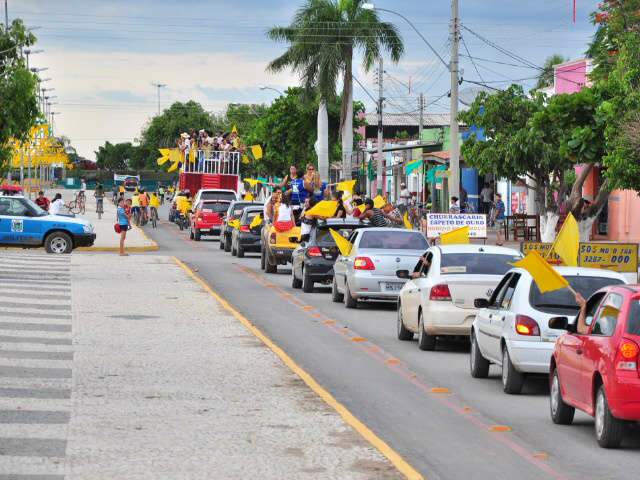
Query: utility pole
[422, 167]
[159, 86]
[421, 106]
[6, 15]
[380, 139]
[454, 165]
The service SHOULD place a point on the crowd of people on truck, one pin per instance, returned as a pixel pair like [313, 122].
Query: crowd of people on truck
[206, 141]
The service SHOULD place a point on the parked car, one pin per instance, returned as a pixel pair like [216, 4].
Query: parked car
[207, 218]
[245, 238]
[215, 194]
[599, 373]
[25, 224]
[511, 328]
[440, 302]
[234, 212]
[312, 261]
[369, 271]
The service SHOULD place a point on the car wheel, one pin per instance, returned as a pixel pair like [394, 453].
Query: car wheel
[425, 341]
[609, 429]
[295, 281]
[336, 296]
[478, 365]
[240, 251]
[561, 413]
[403, 333]
[197, 235]
[262, 259]
[191, 235]
[227, 243]
[58, 243]
[349, 301]
[234, 251]
[268, 266]
[512, 380]
[221, 242]
[307, 283]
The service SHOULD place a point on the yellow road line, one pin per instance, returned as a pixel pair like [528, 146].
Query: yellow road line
[394, 457]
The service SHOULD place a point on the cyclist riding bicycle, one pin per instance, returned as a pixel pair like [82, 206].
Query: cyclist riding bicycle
[99, 194]
[144, 206]
[135, 207]
[154, 204]
[184, 207]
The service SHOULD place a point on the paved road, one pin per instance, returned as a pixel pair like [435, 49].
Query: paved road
[455, 433]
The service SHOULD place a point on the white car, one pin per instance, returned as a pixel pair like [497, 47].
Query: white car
[441, 300]
[512, 328]
[215, 194]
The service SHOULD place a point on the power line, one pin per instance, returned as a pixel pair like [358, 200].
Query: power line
[464, 44]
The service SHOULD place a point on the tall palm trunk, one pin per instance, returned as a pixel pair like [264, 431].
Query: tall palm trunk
[346, 120]
[323, 141]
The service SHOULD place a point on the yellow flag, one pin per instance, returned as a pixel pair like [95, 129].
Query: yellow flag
[543, 274]
[173, 167]
[256, 222]
[165, 152]
[455, 237]
[379, 202]
[245, 159]
[323, 209]
[249, 197]
[567, 243]
[234, 129]
[346, 186]
[251, 181]
[405, 220]
[343, 244]
[235, 224]
[256, 150]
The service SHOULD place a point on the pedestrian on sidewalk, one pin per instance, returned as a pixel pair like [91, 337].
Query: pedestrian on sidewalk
[499, 219]
[123, 218]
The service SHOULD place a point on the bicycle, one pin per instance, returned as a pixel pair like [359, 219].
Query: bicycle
[72, 207]
[154, 217]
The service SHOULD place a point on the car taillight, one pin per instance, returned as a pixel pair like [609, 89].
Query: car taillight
[440, 293]
[199, 217]
[272, 237]
[627, 356]
[527, 326]
[314, 252]
[363, 263]
[244, 228]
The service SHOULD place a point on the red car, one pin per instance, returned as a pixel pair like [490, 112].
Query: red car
[207, 218]
[599, 373]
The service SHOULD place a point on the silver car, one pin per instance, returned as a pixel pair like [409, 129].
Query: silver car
[369, 271]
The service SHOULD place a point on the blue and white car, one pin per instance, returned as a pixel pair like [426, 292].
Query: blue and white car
[25, 224]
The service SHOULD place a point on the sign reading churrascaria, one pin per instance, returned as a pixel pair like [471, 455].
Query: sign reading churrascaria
[439, 223]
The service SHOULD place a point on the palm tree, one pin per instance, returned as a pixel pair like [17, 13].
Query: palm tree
[323, 37]
[545, 79]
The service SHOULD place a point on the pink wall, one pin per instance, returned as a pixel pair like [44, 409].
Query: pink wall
[570, 77]
[622, 224]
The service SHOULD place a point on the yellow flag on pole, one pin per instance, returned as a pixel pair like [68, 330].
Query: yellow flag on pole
[323, 209]
[165, 152]
[379, 201]
[567, 243]
[543, 274]
[235, 224]
[234, 129]
[455, 237]
[405, 220]
[346, 186]
[343, 244]
[256, 222]
[256, 150]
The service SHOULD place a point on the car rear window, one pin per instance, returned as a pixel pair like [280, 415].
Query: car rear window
[215, 207]
[229, 196]
[564, 300]
[249, 216]
[633, 323]
[394, 239]
[476, 263]
[323, 235]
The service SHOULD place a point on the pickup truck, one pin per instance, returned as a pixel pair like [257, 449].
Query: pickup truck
[25, 224]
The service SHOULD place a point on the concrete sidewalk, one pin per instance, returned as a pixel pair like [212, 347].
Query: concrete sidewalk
[164, 384]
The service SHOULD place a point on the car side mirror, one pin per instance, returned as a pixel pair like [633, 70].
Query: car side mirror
[559, 323]
[481, 303]
[402, 274]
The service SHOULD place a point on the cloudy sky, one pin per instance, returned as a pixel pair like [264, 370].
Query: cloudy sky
[103, 56]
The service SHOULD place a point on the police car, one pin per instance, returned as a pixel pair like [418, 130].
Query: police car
[25, 224]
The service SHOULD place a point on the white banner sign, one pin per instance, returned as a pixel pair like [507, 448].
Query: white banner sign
[122, 178]
[439, 223]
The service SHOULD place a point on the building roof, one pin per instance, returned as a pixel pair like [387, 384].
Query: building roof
[443, 155]
[408, 119]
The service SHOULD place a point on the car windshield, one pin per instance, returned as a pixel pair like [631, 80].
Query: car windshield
[214, 207]
[229, 196]
[323, 235]
[563, 299]
[394, 240]
[476, 263]
[633, 322]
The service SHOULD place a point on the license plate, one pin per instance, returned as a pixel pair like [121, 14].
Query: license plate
[392, 286]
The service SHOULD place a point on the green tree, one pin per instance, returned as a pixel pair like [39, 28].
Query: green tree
[18, 89]
[117, 157]
[545, 79]
[323, 37]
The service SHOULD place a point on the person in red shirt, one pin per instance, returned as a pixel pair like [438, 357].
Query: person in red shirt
[42, 201]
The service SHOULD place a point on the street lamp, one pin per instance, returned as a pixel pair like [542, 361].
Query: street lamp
[28, 52]
[38, 70]
[263, 87]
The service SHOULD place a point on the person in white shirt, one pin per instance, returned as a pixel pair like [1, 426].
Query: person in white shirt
[405, 197]
[486, 195]
[56, 206]
[83, 185]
